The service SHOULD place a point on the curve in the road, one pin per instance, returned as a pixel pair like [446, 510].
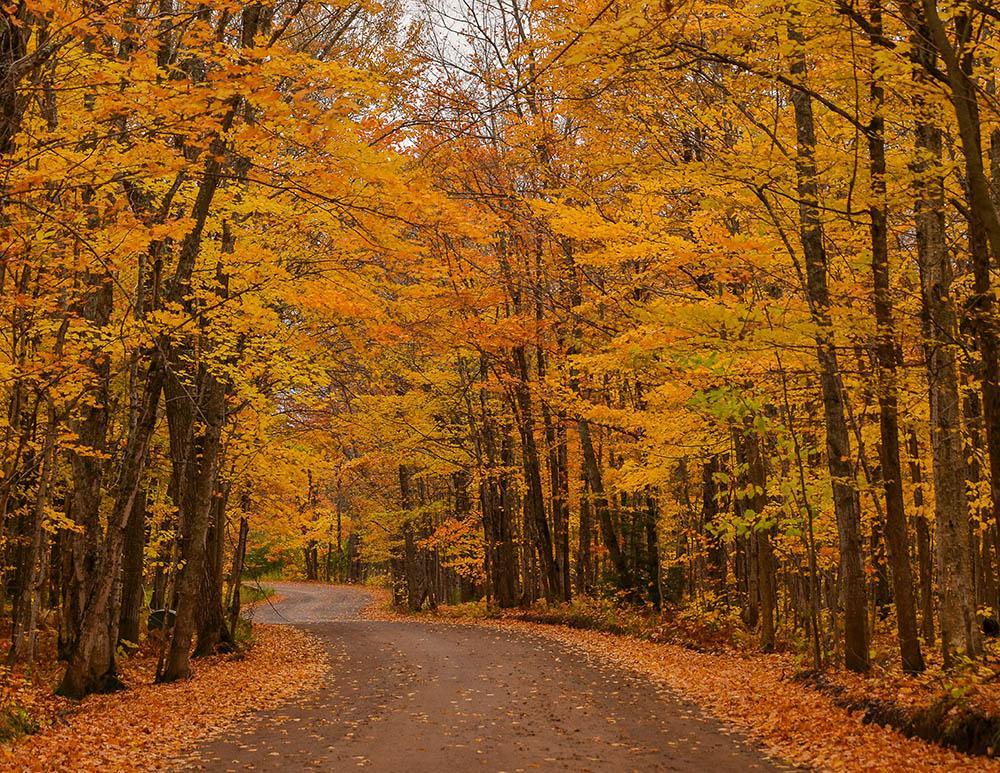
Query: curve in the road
[415, 697]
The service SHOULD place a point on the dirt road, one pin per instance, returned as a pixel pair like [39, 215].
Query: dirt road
[414, 697]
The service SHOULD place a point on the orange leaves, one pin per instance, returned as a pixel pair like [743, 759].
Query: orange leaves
[149, 726]
[459, 542]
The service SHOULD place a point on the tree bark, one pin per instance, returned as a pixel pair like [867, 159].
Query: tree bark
[195, 501]
[599, 501]
[133, 594]
[925, 556]
[213, 633]
[838, 443]
[236, 575]
[959, 630]
[534, 499]
[896, 537]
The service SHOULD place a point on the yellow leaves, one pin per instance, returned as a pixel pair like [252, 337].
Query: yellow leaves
[56, 520]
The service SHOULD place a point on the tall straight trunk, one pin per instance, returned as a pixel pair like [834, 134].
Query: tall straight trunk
[534, 499]
[556, 460]
[31, 569]
[925, 555]
[597, 505]
[984, 216]
[838, 443]
[213, 633]
[599, 500]
[508, 587]
[981, 307]
[501, 552]
[236, 574]
[411, 566]
[195, 496]
[585, 560]
[492, 452]
[959, 629]
[959, 634]
[651, 516]
[340, 536]
[715, 569]
[557, 497]
[561, 506]
[134, 544]
[972, 423]
[763, 535]
[408, 559]
[555, 447]
[896, 536]
[133, 594]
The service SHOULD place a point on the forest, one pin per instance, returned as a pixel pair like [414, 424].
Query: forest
[671, 314]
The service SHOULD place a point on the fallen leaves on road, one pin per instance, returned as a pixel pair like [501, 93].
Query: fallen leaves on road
[792, 722]
[144, 728]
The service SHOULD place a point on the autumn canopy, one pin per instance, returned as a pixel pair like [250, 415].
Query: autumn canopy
[683, 306]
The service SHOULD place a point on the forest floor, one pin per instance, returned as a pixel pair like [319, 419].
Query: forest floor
[809, 720]
[148, 725]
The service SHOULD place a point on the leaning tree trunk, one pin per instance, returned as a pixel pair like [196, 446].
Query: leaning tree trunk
[236, 575]
[91, 667]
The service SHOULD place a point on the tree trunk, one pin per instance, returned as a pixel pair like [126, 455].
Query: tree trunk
[236, 575]
[133, 594]
[534, 499]
[652, 551]
[599, 501]
[94, 618]
[763, 535]
[585, 561]
[959, 629]
[715, 556]
[213, 634]
[925, 556]
[896, 537]
[31, 568]
[838, 443]
[195, 498]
